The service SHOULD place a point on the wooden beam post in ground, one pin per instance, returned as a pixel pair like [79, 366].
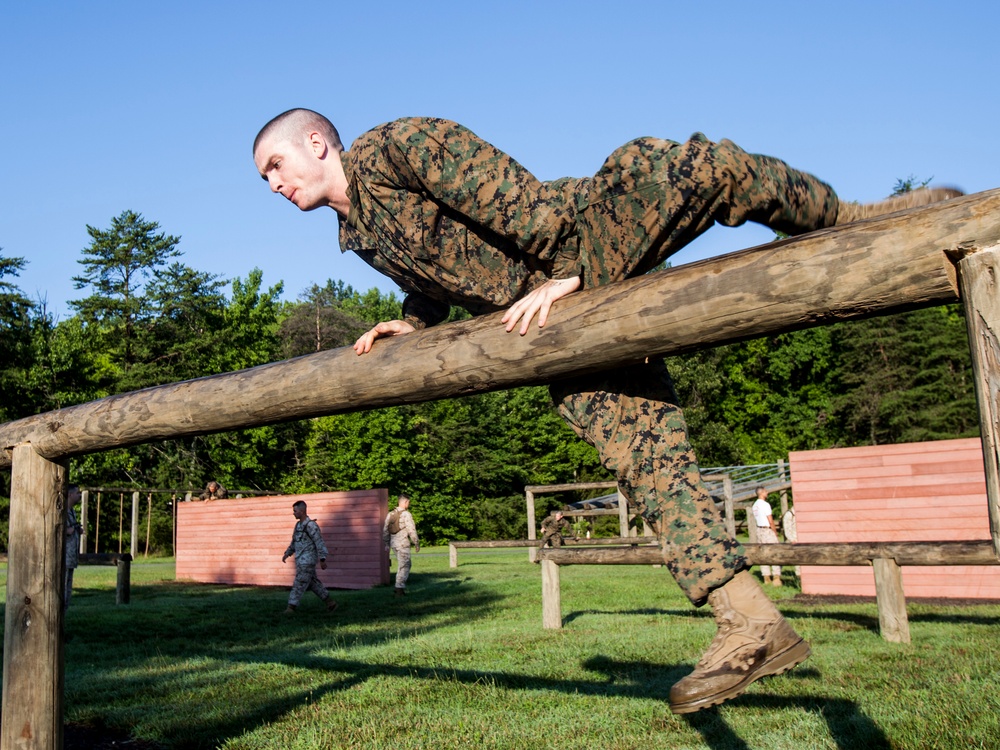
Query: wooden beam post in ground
[893, 623]
[729, 512]
[551, 604]
[84, 496]
[452, 556]
[979, 276]
[622, 514]
[134, 536]
[33, 645]
[529, 500]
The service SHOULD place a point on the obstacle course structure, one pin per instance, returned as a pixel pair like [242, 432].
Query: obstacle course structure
[916, 258]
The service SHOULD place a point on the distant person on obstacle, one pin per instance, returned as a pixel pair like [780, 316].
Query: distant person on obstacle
[214, 491]
[767, 533]
[399, 532]
[309, 548]
[455, 221]
[552, 528]
[71, 542]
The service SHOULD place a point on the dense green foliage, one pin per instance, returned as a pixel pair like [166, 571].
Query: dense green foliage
[146, 318]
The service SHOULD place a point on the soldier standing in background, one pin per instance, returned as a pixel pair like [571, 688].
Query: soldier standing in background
[71, 543]
[309, 548]
[455, 221]
[398, 532]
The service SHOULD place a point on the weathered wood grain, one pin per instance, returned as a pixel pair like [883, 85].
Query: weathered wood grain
[898, 262]
[32, 645]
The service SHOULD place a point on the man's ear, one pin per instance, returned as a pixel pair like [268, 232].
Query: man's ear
[317, 144]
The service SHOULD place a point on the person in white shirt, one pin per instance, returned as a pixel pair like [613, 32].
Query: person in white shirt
[767, 533]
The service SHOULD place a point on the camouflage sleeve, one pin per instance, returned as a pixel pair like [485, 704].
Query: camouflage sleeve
[291, 547]
[465, 173]
[312, 529]
[420, 311]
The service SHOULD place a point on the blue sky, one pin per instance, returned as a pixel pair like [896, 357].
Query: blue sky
[152, 107]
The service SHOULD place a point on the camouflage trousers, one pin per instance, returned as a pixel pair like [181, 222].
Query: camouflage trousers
[629, 416]
[652, 197]
[554, 539]
[402, 564]
[649, 199]
[306, 580]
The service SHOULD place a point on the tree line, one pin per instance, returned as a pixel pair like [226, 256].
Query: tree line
[144, 317]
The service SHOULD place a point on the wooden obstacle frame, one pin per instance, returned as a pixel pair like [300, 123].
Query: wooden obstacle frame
[923, 257]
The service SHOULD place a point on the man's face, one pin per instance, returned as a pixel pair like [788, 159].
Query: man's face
[299, 512]
[294, 168]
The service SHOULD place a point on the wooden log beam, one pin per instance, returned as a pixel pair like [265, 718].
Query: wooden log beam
[596, 541]
[895, 263]
[858, 553]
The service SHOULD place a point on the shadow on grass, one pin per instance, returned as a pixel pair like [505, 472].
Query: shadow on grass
[190, 642]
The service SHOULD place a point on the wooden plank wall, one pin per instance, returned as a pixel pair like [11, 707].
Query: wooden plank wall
[934, 491]
[242, 540]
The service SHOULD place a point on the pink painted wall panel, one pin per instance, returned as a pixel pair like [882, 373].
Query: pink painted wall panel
[241, 541]
[913, 492]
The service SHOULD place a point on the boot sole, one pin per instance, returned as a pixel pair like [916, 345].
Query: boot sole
[777, 664]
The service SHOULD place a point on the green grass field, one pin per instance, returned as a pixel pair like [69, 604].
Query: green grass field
[462, 662]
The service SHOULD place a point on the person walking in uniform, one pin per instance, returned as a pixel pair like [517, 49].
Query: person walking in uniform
[399, 532]
[308, 547]
[71, 543]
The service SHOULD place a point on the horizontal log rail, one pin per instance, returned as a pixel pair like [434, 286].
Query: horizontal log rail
[899, 262]
[886, 558]
[453, 547]
[853, 553]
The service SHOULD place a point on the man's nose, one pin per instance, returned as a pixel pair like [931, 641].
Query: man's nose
[274, 182]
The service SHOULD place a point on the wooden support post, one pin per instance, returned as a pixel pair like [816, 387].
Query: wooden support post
[892, 621]
[123, 591]
[134, 541]
[529, 500]
[551, 604]
[727, 490]
[622, 514]
[33, 646]
[84, 496]
[452, 556]
[979, 278]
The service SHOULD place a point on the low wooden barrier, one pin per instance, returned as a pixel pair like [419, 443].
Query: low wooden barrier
[453, 547]
[886, 559]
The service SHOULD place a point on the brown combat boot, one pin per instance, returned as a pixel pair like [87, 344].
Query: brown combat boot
[399, 592]
[848, 213]
[753, 641]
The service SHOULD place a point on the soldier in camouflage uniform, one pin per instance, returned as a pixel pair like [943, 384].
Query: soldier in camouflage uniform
[399, 532]
[214, 491]
[453, 220]
[309, 548]
[71, 543]
[552, 528]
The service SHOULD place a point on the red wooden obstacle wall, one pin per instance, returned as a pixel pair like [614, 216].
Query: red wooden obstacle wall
[913, 492]
[242, 540]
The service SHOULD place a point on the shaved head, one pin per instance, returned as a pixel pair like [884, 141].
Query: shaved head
[294, 124]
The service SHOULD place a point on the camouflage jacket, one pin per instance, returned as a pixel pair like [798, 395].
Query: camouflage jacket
[307, 543]
[551, 526]
[71, 542]
[453, 220]
[407, 531]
